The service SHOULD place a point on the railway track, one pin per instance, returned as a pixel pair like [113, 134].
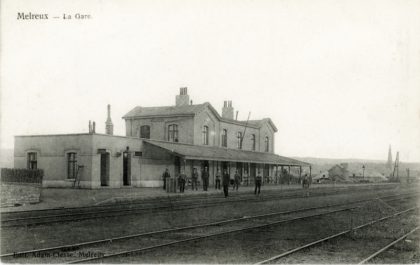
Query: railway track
[42, 217]
[280, 258]
[385, 248]
[205, 197]
[247, 223]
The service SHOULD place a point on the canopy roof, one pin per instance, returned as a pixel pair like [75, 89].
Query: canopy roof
[200, 152]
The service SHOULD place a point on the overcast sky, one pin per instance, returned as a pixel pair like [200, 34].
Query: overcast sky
[339, 79]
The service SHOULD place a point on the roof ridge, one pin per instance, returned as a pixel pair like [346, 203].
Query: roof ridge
[172, 106]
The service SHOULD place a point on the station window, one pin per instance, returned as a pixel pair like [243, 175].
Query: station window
[173, 133]
[32, 160]
[224, 138]
[239, 140]
[253, 142]
[267, 144]
[206, 135]
[145, 131]
[71, 165]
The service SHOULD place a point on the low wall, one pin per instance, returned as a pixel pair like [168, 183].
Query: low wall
[13, 193]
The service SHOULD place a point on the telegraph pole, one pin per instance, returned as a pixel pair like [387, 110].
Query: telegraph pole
[408, 175]
[395, 175]
[246, 125]
[363, 167]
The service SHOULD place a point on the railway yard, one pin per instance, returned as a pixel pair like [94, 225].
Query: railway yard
[347, 224]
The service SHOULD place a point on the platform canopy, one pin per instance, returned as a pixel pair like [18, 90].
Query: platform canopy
[200, 152]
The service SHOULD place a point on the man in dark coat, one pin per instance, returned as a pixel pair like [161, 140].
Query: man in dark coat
[305, 185]
[218, 177]
[205, 178]
[181, 181]
[194, 179]
[225, 183]
[165, 176]
[237, 180]
[258, 180]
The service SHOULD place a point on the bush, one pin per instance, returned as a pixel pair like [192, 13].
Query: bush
[22, 175]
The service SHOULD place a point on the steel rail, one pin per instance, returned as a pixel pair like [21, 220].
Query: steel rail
[231, 231]
[388, 246]
[129, 211]
[194, 226]
[284, 254]
[208, 199]
[171, 199]
[208, 236]
[215, 234]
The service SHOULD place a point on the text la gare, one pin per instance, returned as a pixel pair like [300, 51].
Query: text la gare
[77, 16]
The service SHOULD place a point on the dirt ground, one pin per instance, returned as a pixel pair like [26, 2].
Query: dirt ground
[208, 251]
[256, 245]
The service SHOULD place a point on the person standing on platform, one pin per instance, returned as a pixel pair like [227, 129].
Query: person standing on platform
[218, 177]
[258, 180]
[165, 176]
[237, 180]
[205, 178]
[305, 185]
[232, 180]
[245, 178]
[225, 183]
[194, 179]
[181, 181]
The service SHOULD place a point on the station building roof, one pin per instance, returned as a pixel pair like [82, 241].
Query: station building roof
[201, 152]
[164, 111]
[190, 110]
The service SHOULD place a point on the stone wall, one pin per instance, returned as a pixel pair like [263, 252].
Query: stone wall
[159, 128]
[14, 193]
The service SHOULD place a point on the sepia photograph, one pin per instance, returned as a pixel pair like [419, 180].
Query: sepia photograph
[210, 132]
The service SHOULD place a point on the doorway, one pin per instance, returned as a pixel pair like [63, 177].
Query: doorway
[266, 173]
[126, 168]
[177, 166]
[239, 167]
[253, 170]
[104, 169]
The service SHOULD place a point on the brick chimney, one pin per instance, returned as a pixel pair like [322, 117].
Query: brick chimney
[109, 127]
[182, 99]
[227, 110]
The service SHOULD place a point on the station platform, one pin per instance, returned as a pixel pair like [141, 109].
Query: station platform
[67, 197]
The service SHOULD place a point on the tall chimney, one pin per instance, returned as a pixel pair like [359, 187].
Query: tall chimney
[227, 110]
[182, 99]
[109, 127]
[389, 163]
[93, 127]
[90, 126]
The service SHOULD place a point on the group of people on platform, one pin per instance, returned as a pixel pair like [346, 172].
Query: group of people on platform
[224, 180]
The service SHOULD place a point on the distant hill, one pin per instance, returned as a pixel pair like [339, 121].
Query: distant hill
[320, 161]
[355, 165]
[6, 158]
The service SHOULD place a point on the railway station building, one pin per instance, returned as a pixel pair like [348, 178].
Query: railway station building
[182, 136]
